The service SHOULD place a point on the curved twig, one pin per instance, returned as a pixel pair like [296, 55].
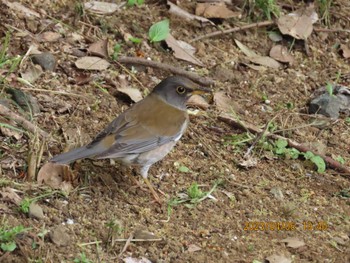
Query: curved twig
[153, 64]
[7, 113]
[235, 29]
[302, 148]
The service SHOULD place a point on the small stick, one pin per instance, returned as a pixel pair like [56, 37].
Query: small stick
[235, 29]
[333, 30]
[137, 240]
[7, 113]
[253, 129]
[127, 243]
[153, 64]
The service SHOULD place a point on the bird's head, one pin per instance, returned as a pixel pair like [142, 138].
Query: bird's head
[176, 91]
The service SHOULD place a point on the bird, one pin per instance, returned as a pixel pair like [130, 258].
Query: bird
[146, 132]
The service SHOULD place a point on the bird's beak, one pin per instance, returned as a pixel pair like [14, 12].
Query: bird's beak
[201, 91]
[207, 94]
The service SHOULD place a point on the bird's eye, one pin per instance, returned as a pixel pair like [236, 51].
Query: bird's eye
[180, 90]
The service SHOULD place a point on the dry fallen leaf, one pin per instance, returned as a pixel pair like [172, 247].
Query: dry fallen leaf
[53, 175]
[345, 51]
[92, 63]
[82, 78]
[145, 235]
[249, 162]
[36, 211]
[102, 8]
[99, 48]
[49, 37]
[198, 101]
[10, 132]
[182, 51]
[60, 236]
[32, 73]
[10, 194]
[175, 10]
[278, 259]
[136, 260]
[193, 248]
[224, 103]
[293, 242]
[298, 24]
[133, 93]
[215, 10]
[21, 8]
[256, 58]
[281, 53]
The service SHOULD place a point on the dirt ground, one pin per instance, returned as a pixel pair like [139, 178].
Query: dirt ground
[94, 221]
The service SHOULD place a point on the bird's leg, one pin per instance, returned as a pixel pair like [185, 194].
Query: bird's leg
[134, 180]
[144, 174]
[154, 193]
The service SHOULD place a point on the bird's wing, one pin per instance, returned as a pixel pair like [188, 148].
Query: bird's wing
[144, 127]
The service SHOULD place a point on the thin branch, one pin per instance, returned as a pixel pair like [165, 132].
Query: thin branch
[235, 29]
[258, 24]
[253, 129]
[153, 64]
[7, 113]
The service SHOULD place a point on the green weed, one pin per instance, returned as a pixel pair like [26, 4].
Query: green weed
[135, 2]
[159, 31]
[26, 202]
[82, 259]
[280, 148]
[10, 63]
[194, 196]
[116, 51]
[268, 7]
[8, 237]
[324, 9]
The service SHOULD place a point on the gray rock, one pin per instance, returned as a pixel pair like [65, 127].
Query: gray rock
[59, 236]
[331, 105]
[36, 211]
[326, 105]
[46, 60]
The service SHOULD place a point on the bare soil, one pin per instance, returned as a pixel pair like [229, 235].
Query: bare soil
[229, 228]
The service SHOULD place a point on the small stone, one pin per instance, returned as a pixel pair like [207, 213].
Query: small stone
[326, 105]
[46, 60]
[36, 211]
[224, 74]
[277, 193]
[59, 236]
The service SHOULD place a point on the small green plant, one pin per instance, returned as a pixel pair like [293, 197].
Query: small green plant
[116, 51]
[79, 9]
[135, 40]
[26, 202]
[193, 197]
[10, 63]
[135, 2]
[329, 88]
[340, 159]
[280, 148]
[268, 7]
[239, 140]
[8, 236]
[324, 7]
[194, 192]
[290, 105]
[82, 259]
[317, 160]
[115, 228]
[347, 120]
[159, 31]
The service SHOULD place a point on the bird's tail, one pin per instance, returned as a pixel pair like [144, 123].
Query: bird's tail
[73, 155]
